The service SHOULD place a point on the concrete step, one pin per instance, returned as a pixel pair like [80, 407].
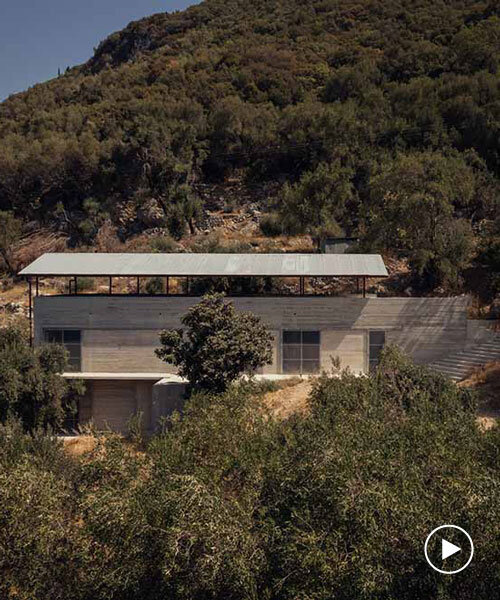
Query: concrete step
[457, 365]
[483, 350]
[457, 368]
[461, 362]
[470, 357]
[473, 355]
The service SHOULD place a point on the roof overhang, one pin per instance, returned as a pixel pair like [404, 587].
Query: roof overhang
[206, 265]
[123, 376]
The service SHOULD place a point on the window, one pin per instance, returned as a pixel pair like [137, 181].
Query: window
[377, 342]
[301, 351]
[71, 340]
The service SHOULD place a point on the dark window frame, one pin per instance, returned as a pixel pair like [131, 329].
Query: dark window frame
[67, 339]
[295, 362]
[376, 343]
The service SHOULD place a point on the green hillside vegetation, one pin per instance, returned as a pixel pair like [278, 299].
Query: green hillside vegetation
[377, 119]
[31, 387]
[228, 503]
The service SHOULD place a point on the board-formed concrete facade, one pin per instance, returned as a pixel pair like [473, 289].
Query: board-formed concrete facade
[120, 333]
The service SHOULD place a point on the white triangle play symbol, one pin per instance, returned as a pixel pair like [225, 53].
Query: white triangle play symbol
[448, 549]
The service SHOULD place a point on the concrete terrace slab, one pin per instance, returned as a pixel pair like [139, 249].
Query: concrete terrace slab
[125, 377]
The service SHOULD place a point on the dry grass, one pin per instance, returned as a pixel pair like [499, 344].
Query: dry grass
[80, 445]
[486, 381]
[37, 243]
[290, 399]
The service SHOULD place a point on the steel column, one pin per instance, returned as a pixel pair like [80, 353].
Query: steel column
[30, 310]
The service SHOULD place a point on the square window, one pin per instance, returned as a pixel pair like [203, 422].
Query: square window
[301, 351]
[71, 340]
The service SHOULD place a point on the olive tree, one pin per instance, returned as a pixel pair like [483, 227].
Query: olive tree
[31, 386]
[10, 233]
[216, 345]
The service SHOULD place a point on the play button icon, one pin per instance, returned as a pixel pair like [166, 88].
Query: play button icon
[446, 556]
[448, 549]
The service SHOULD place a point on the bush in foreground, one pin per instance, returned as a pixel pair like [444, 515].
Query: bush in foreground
[229, 503]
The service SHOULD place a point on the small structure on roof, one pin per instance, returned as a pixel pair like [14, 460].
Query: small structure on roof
[336, 245]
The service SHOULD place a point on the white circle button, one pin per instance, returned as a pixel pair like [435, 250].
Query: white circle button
[449, 549]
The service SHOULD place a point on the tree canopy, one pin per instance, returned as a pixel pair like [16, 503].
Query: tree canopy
[323, 98]
[31, 387]
[216, 345]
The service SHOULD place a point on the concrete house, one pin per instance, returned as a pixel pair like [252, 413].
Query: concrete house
[111, 336]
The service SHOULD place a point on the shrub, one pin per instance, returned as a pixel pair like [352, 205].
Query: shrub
[271, 225]
[10, 234]
[31, 386]
[176, 223]
[85, 284]
[163, 243]
[228, 502]
[155, 286]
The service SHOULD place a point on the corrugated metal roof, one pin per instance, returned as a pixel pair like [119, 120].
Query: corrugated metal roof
[276, 265]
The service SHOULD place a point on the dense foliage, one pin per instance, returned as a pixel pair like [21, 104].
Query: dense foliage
[31, 386]
[217, 344]
[229, 503]
[10, 233]
[341, 100]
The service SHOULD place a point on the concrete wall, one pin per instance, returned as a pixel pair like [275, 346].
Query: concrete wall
[121, 332]
[122, 351]
[167, 397]
[109, 404]
[351, 347]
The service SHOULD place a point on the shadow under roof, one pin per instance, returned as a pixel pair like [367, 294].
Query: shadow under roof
[206, 265]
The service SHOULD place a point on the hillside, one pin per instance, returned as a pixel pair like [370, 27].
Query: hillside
[364, 117]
